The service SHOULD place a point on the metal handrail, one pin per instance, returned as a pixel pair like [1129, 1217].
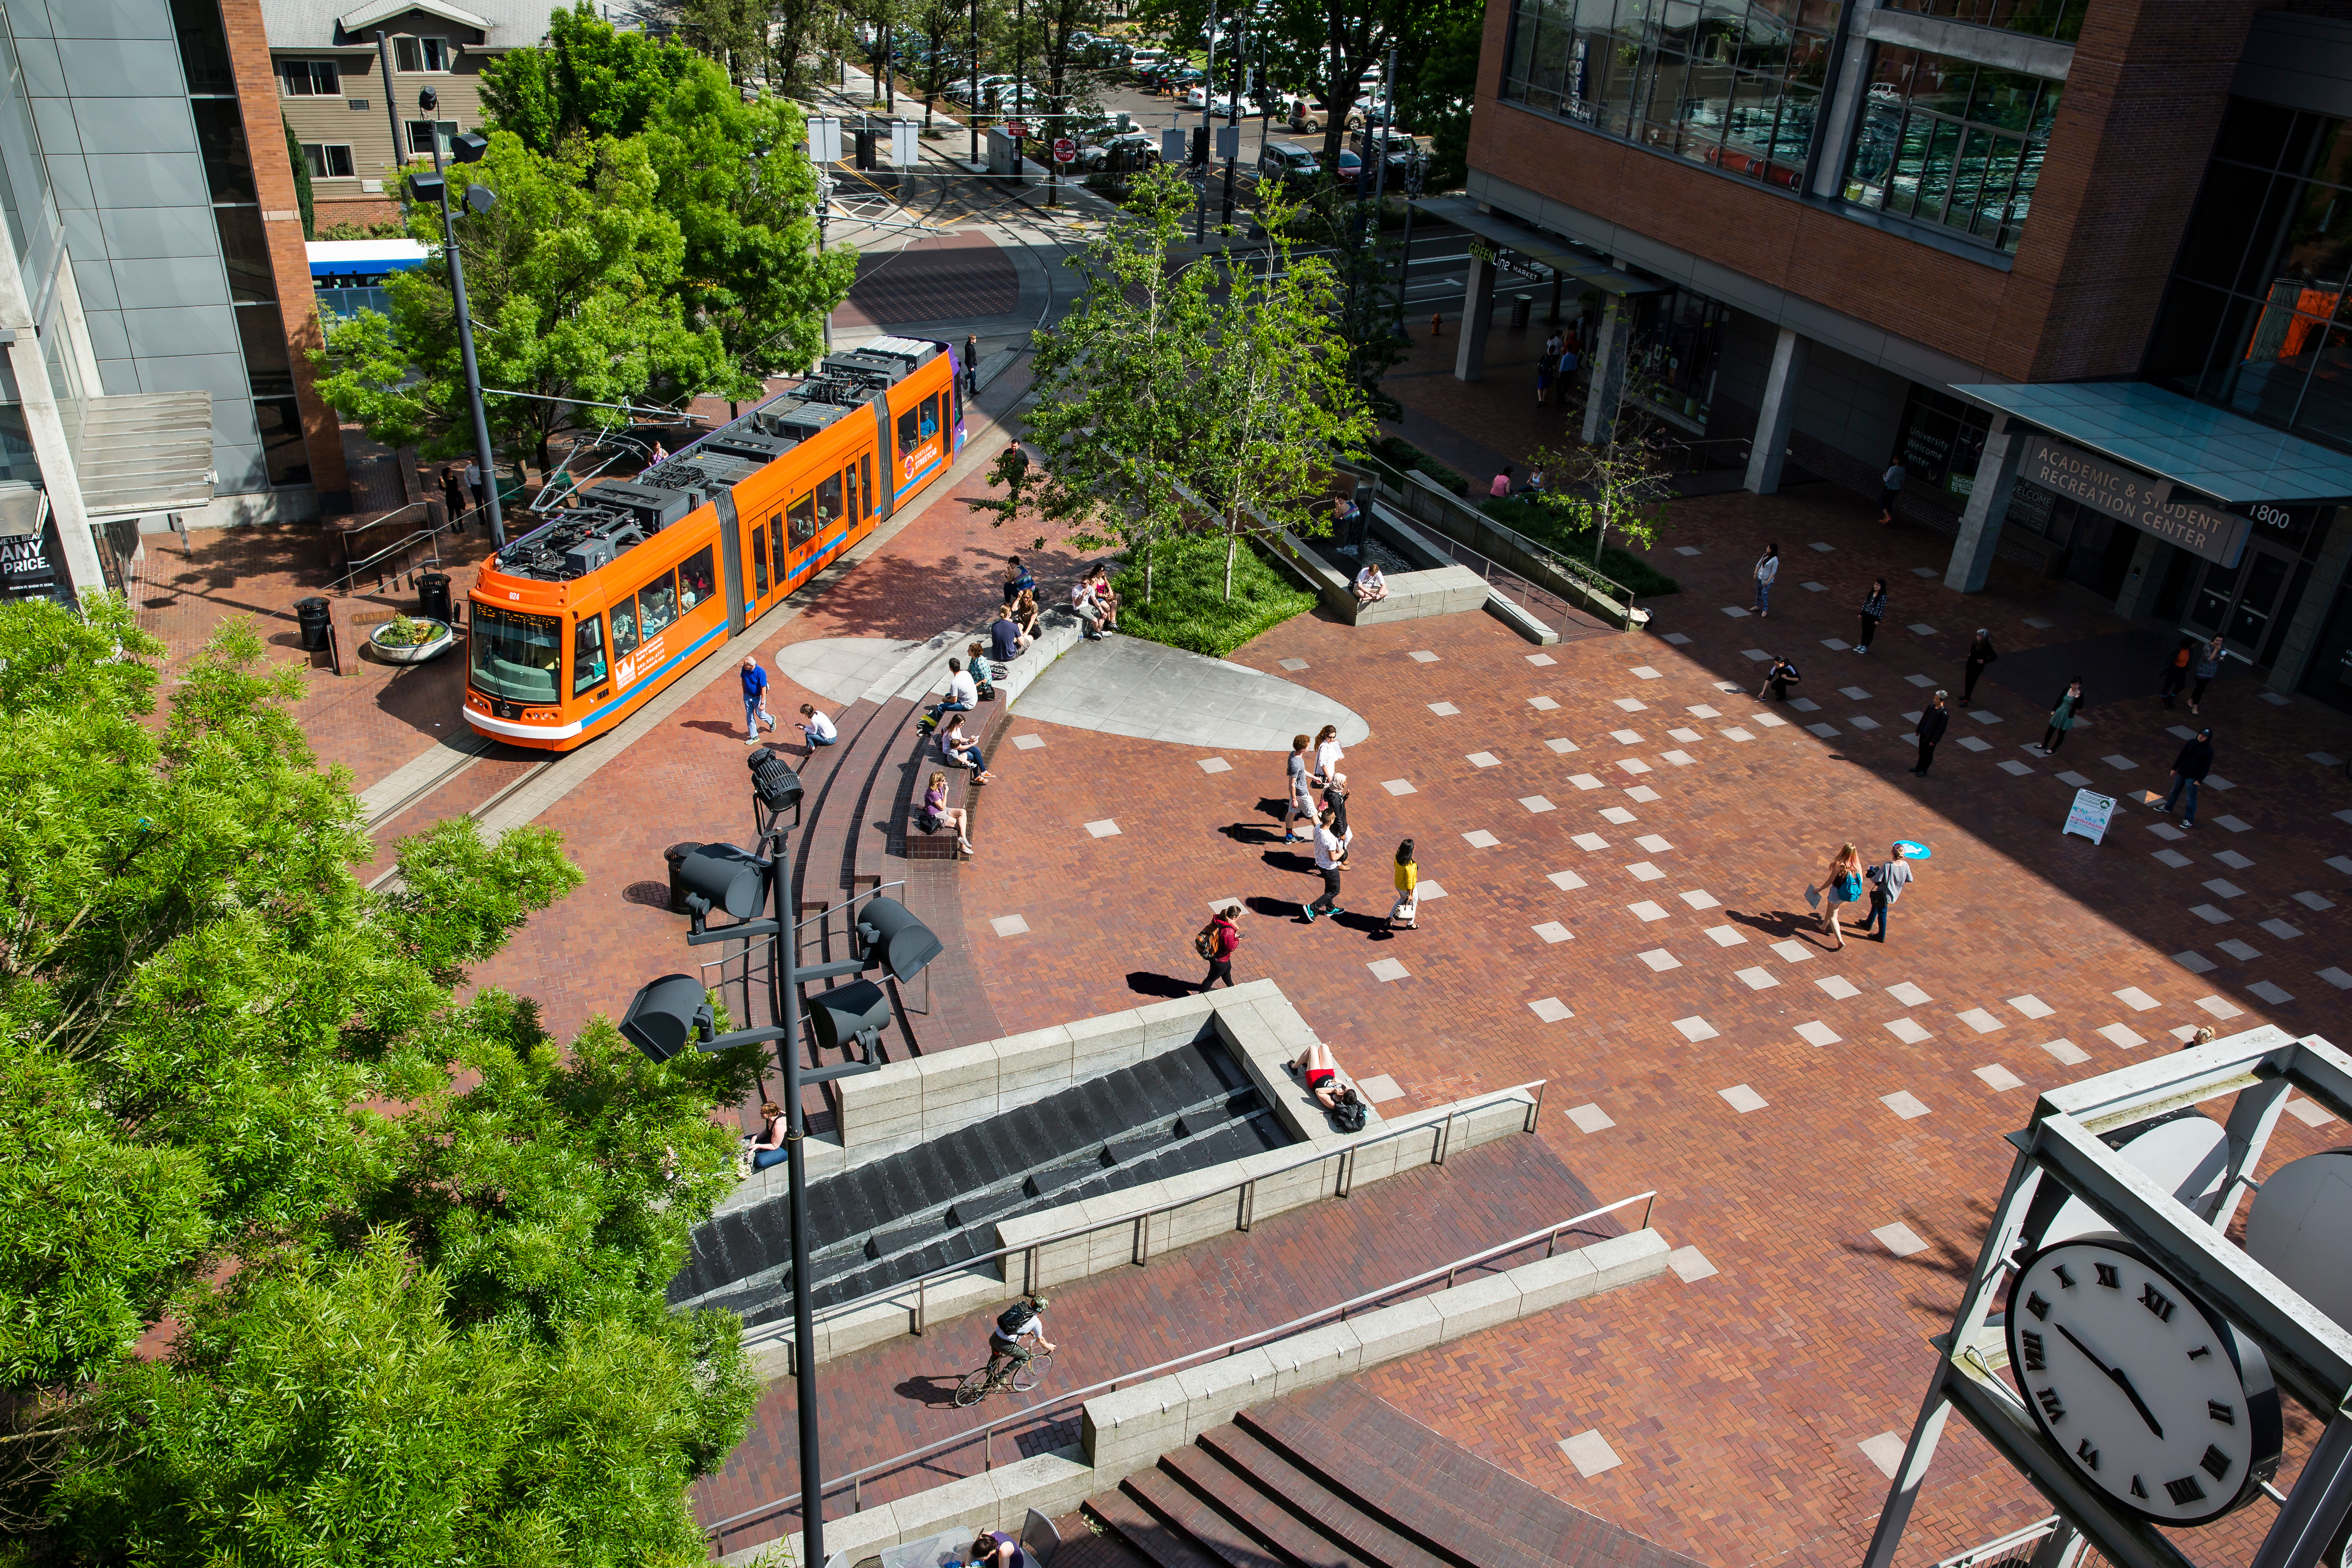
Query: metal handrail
[1549, 1236]
[1993, 1549]
[1246, 1187]
[360, 568]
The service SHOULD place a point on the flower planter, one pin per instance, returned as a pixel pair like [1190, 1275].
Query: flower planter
[440, 642]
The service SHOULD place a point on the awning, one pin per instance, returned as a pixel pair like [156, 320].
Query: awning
[144, 453]
[1550, 249]
[2206, 449]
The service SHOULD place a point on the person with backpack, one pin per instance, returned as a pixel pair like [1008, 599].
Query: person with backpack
[1842, 884]
[1873, 610]
[1215, 942]
[1024, 1320]
[1319, 1069]
[1887, 880]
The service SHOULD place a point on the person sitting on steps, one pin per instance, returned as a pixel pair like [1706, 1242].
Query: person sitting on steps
[964, 751]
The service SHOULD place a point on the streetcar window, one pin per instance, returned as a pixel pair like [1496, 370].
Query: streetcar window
[695, 580]
[828, 502]
[849, 478]
[955, 403]
[776, 543]
[515, 656]
[588, 666]
[803, 515]
[624, 628]
[930, 416]
[656, 604]
[865, 467]
[910, 425]
[759, 561]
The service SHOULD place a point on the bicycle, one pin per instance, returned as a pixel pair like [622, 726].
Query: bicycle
[1021, 1376]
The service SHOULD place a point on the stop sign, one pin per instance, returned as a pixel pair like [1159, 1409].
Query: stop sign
[1064, 150]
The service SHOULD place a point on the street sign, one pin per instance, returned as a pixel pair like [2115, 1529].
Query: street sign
[1016, 127]
[2089, 815]
[1064, 150]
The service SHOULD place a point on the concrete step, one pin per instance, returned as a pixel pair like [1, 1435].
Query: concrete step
[1142, 1532]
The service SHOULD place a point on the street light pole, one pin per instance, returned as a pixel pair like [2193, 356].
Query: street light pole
[1208, 92]
[971, 112]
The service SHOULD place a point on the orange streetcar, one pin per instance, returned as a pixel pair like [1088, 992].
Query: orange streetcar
[580, 621]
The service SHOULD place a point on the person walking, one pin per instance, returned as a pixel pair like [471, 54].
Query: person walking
[1543, 381]
[1873, 610]
[1328, 754]
[1768, 567]
[1406, 911]
[1890, 486]
[755, 700]
[1841, 884]
[2189, 771]
[1778, 676]
[1980, 654]
[2062, 714]
[1216, 943]
[453, 494]
[1330, 858]
[972, 362]
[2202, 671]
[1887, 880]
[1300, 786]
[1932, 725]
[2176, 670]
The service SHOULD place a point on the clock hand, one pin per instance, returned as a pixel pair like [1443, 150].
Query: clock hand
[2116, 1376]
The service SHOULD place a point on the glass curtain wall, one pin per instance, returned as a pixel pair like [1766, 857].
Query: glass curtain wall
[1735, 85]
[2060, 19]
[37, 234]
[2255, 316]
[1953, 143]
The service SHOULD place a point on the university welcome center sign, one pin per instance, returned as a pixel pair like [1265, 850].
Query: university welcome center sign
[2144, 502]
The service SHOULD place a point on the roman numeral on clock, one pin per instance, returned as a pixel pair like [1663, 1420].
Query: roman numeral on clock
[2137, 1489]
[2065, 1279]
[2108, 1277]
[2052, 1407]
[2184, 1491]
[2200, 1352]
[2227, 1414]
[2037, 1306]
[2088, 1454]
[2155, 1301]
[2030, 1343]
[2215, 1463]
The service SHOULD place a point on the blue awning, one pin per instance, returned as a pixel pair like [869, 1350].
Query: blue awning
[2195, 445]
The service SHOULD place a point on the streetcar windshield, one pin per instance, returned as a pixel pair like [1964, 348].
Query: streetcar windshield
[515, 655]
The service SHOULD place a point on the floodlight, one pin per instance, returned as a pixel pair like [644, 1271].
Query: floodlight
[427, 187]
[667, 1016]
[722, 877]
[774, 780]
[480, 198]
[895, 938]
[427, 99]
[850, 1016]
[468, 146]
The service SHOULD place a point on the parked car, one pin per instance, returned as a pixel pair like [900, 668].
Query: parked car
[1400, 150]
[1143, 62]
[1289, 166]
[1349, 167]
[1142, 147]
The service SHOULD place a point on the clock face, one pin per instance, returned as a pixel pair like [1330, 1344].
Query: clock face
[2152, 1399]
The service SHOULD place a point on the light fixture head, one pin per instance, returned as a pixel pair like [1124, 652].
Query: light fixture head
[427, 99]
[480, 199]
[468, 146]
[428, 187]
[893, 938]
[668, 1016]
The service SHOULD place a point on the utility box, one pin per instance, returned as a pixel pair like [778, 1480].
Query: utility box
[905, 152]
[1004, 154]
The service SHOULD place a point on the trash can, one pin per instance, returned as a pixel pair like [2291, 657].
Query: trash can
[313, 616]
[676, 854]
[1521, 308]
[432, 596]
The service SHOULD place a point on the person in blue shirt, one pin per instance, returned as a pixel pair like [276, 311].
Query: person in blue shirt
[755, 700]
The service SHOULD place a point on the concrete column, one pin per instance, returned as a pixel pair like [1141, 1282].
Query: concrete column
[2311, 613]
[1988, 506]
[1477, 310]
[1776, 413]
[1608, 351]
[2137, 596]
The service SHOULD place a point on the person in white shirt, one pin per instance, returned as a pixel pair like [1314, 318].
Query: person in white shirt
[1327, 753]
[1370, 587]
[816, 727]
[962, 693]
[1330, 858]
[1089, 613]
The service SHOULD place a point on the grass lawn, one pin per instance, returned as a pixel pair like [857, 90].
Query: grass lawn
[1624, 567]
[1188, 609]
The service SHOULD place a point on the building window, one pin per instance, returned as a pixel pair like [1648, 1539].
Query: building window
[1735, 85]
[1941, 443]
[421, 54]
[423, 133]
[1949, 143]
[283, 452]
[327, 160]
[220, 137]
[2060, 19]
[312, 79]
[2255, 316]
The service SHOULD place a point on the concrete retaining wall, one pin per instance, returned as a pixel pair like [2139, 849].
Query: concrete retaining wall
[1126, 1431]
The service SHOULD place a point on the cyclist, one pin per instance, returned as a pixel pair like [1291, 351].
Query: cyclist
[1024, 1320]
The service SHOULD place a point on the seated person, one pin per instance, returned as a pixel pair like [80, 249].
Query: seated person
[1024, 614]
[1780, 676]
[1018, 580]
[1004, 639]
[1370, 587]
[1093, 621]
[767, 1145]
[1343, 513]
[1098, 584]
[962, 692]
[1322, 1075]
[934, 813]
[975, 659]
[994, 1548]
[964, 751]
[816, 727]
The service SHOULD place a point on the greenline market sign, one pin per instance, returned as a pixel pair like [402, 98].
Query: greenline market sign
[2217, 536]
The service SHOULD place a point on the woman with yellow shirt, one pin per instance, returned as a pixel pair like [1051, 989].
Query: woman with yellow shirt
[1408, 883]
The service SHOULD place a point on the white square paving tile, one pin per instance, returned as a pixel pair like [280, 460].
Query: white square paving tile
[2281, 929]
[1839, 987]
[1632, 705]
[1742, 1099]
[1726, 936]
[1768, 721]
[1542, 704]
[1758, 978]
[1550, 1009]
[1008, 925]
[2308, 1114]
[1589, 840]
[1686, 549]
[2271, 993]
[1590, 1119]
[1690, 1265]
[1701, 711]
[1921, 628]
[1617, 815]
[2277, 699]
[2195, 962]
[1212, 765]
[1647, 911]
[2232, 823]
[1677, 759]
[1484, 760]
[1561, 745]
[2336, 977]
[1106, 828]
[1861, 720]
[1736, 611]
[1901, 1240]
[1826, 731]
[1654, 843]
[1971, 744]
[1541, 661]
[2031, 1005]
[1634, 766]
[2232, 859]
[1684, 732]
[2325, 759]
[1535, 803]
[2341, 863]
[1699, 898]
[1824, 549]
[1397, 786]
[1553, 932]
[1792, 950]
[1736, 733]
[1589, 1451]
[1386, 969]
[1422, 656]
[2121, 1035]
[1379, 1088]
[1694, 1029]
[1567, 881]
[2066, 1051]
[2209, 914]
[1291, 663]
[2163, 830]
[1429, 889]
[1443, 709]
[2243, 952]
[1804, 705]
[1659, 960]
[1904, 1104]
[1625, 737]
[1982, 1022]
[2223, 889]
[1908, 1031]
[2137, 1000]
[1642, 793]
[1854, 694]
[1818, 1033]
[1922, 681]
[1910, 996]
[1999, 1078]
[1642, 871]
[1982, 717]
[2219, 1006]
[2172, 858]
[1027, 742]
[1586, 780]
[2014, 768]
[2074, 780]
[1479, 838]
[2037, 623]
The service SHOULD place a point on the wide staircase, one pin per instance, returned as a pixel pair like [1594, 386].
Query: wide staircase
[1339, 1478]
[937, 1205]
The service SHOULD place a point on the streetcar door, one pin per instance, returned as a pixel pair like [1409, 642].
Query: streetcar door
[758, 558]
[730, 545]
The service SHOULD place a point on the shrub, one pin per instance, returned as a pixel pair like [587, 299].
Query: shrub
[1542, 525]
[1402, 455]
[1188, 609]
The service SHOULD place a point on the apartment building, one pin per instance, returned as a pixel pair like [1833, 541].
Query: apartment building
[2079, 265]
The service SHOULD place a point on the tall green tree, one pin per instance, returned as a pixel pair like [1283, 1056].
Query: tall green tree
[592, 79]
[405, 1254]
[732, 33]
